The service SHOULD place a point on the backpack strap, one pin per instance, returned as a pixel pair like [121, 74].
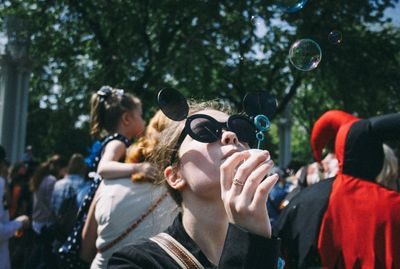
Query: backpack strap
[136, 223]
[176, 251]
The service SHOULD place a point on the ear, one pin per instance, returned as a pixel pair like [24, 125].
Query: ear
[125, 118]
[173, 178]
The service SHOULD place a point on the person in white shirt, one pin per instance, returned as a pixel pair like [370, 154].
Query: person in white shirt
[7, 228]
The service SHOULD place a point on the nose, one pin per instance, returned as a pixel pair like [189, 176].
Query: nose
[229, 137]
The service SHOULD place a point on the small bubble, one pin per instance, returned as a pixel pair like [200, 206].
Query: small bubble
[255, 20]
[289, 6]
[335, 37]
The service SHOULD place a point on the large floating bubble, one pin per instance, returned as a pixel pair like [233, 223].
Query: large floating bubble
[335, 37]
[289, 6]
[305, 54]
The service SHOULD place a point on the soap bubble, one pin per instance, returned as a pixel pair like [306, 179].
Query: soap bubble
[305, 54]
[335, 37]
[289, 6]
[255, 20]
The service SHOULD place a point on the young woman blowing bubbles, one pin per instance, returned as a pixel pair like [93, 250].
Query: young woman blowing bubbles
[219, 184]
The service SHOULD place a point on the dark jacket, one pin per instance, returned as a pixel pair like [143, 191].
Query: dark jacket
[241, 250]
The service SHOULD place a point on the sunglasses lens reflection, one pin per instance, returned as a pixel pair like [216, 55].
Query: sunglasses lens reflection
[244, 130]
[173, 104]
[204, 130]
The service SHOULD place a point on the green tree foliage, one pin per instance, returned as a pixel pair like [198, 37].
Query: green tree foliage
[206, 49]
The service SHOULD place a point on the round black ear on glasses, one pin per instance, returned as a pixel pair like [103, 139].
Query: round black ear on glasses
[173, 104]
[259, 103]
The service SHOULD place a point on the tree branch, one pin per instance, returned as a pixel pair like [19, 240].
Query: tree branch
[286, 99]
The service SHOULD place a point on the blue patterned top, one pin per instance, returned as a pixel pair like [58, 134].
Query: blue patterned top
[95, 152]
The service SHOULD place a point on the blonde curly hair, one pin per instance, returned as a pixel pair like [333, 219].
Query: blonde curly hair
[142, 149]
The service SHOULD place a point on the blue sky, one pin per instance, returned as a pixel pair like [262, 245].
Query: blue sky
[394, 13]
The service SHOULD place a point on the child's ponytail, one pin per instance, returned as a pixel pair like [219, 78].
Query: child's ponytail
[96, 115]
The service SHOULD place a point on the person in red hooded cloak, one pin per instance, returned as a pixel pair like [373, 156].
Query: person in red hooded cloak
[348, 221]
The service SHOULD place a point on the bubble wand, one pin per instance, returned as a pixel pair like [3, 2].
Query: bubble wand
[262, 124]
[260, 106]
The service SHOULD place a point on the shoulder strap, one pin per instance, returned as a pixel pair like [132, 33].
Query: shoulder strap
[116, 136]
[175, 250]
[71, 191]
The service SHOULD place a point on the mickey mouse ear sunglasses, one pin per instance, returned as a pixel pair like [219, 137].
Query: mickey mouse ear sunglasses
[205, 128]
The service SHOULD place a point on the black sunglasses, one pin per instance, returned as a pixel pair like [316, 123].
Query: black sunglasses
[206, 129]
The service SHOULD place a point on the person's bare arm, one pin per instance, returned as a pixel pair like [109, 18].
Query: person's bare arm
[109, 167]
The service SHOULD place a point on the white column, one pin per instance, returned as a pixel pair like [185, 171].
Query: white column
[25, 75]
[14, 86]
[2, 96]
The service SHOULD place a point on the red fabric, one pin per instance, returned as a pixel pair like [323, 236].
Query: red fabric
[325, 129]
[361, 226]
[16, 194]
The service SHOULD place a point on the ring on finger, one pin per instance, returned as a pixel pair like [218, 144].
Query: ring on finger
[238, 182]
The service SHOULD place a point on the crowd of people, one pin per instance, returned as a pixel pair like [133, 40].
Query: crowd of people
[191, 193]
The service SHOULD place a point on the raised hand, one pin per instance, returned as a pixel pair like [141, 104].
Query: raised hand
[244, 190]
[146, 168]
[25, 221]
